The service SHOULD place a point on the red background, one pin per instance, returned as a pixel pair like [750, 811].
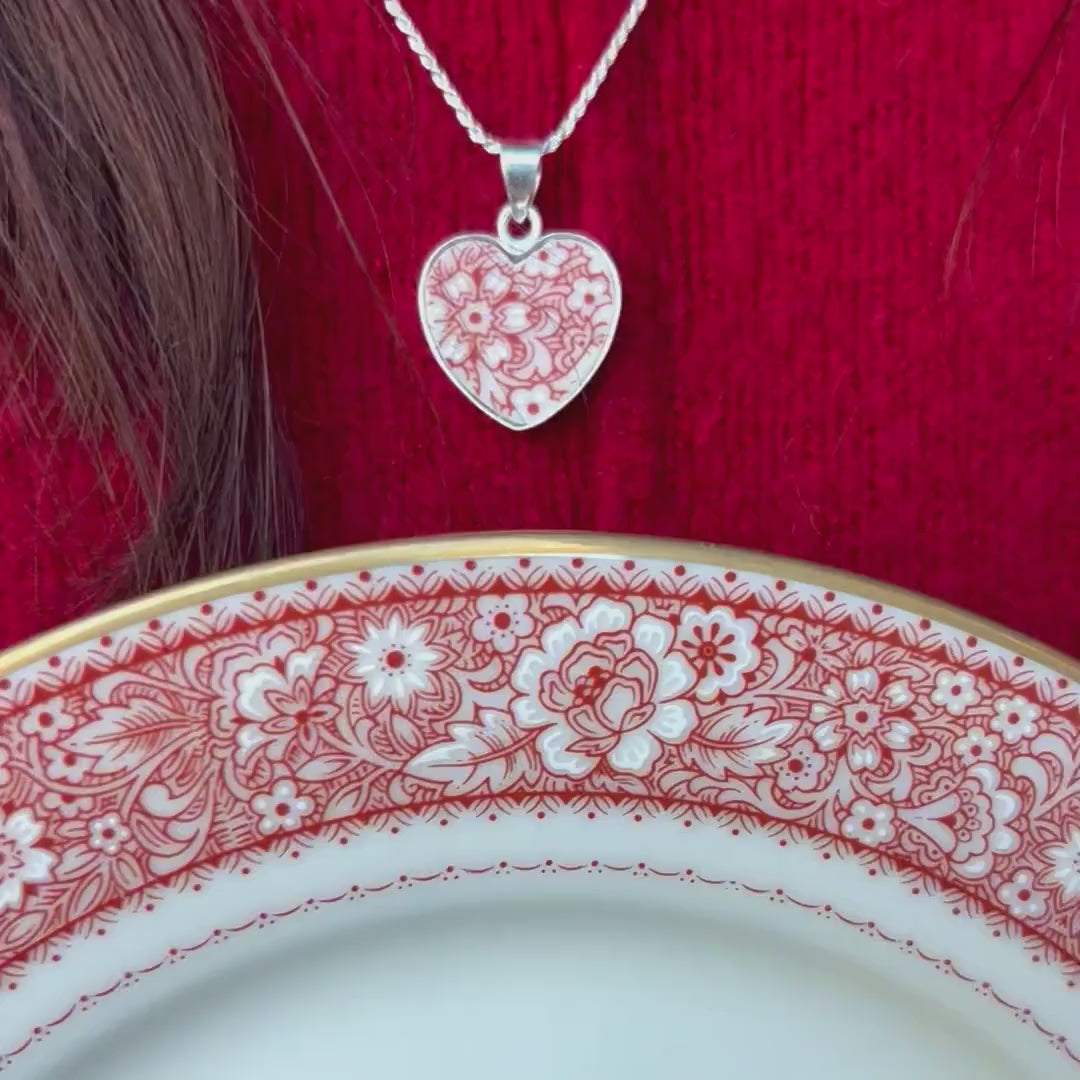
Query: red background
[779, 182]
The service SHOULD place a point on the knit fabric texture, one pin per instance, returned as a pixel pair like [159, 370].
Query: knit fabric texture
[780, 183]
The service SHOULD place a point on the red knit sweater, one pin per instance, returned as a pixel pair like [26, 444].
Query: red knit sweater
[779, 182]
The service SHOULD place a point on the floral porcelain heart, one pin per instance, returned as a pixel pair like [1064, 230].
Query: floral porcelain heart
[520, 324]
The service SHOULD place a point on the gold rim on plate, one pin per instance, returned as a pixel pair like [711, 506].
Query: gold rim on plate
[519, 545]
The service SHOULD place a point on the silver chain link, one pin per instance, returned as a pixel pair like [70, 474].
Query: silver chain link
[479, 134]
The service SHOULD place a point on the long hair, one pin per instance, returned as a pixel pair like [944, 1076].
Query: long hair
[127, 273]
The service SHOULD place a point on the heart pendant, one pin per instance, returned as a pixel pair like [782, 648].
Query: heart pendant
[520, 324]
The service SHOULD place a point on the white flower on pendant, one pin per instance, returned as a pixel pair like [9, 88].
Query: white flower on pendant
[546, 262]
[108, 834]
[393, 661]
[869, 824]
[21, 863]
[281, 809]
[1015, 718]
[502, 620]
[476, 318]
[1022, 898]
[588, 294]
[956, 692]
[533, 403]
[976, 746]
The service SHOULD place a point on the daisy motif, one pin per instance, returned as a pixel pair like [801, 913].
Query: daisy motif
[393, 661]
[281, 809]
[955, 691]
[1014, 718]
[869, 823]
[587, 295]
[108, 834]
[802, 768]
[720, 648]
[1023, 899]
[976, 745]
[502, 620]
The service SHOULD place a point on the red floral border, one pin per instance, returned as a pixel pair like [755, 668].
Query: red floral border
[197, 742]
[691, 584]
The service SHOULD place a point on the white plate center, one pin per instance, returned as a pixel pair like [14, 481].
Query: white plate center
[563, 990]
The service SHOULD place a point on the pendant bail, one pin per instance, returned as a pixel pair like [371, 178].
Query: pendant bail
[521, 174]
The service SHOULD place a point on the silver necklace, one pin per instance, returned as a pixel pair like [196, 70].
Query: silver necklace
[519, 319]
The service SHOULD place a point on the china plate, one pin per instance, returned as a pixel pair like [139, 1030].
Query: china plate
[538, 806]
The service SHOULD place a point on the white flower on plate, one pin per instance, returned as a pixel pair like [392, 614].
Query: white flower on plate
[21, 863]
[502, 620]
[284, 701]
[534, 403]
[816, 646]
[546, 261]
[720, 648]
[869, 823]
[48, 725]
[604, 686]
[394, 661]
[955, 691]
[866, 716]
[281, 809]
[1023, 899]
[1065, 859]
[5, 772]
[1014, 718]
[61, 764]
[976, 745]
[587, 294]
[67, 806]
[802, 768]
[108, 834]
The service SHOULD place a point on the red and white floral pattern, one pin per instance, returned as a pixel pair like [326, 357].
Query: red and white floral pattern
[22, 862]
[520, 333]
[203, 741]
[604, 687]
